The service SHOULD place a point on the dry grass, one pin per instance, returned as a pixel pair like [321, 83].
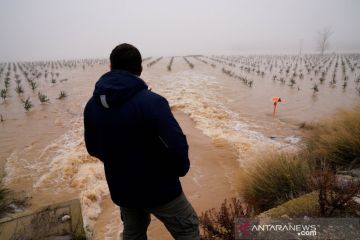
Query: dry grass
[337, 140]
[335, 192]
[219, 224]
[274, 179]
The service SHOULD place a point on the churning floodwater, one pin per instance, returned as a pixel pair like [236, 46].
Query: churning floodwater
[229, 98]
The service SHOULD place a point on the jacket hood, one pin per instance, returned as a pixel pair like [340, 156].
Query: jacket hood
[115, 87]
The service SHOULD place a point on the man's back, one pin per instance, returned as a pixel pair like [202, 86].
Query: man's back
[134, 133]
[144, 151]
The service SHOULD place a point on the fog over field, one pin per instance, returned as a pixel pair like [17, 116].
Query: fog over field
[48, 29]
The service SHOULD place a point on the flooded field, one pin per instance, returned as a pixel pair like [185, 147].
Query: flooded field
[228, 99]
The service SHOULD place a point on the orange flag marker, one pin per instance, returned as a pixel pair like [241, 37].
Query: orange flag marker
[275, 100]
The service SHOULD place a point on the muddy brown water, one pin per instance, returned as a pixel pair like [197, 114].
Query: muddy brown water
[227, 123]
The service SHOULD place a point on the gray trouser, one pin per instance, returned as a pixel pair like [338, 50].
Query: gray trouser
[178, 217]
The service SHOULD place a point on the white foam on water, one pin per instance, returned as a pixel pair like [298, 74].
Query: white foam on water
[113, 228]
[18, 167]
[292, 139]
[65, 166]
[74, 168]
[199, 95]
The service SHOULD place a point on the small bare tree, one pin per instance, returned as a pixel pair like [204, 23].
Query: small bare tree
[323, 39]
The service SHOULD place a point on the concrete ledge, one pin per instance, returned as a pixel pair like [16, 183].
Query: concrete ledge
[50, 222]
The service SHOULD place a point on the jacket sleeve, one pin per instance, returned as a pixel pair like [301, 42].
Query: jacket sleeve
[90, 138]
[171, 136]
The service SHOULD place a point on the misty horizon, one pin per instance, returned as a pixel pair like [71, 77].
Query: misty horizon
[49, 30]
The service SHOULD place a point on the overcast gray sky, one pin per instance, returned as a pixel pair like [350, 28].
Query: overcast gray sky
[49, 29]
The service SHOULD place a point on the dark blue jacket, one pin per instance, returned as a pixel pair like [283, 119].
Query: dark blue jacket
[133, 131]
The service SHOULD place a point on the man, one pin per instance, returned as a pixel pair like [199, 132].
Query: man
[144, 150]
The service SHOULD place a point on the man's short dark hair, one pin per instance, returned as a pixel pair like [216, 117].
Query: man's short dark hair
[126, 57]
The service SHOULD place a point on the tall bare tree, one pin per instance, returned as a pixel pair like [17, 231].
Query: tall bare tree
[323, 39]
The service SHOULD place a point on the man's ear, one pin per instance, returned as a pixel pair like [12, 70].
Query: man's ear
[110, 66]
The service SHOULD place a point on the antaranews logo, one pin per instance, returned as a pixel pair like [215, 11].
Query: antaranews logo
[297, 228]
[300, 229]
[252, 230]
